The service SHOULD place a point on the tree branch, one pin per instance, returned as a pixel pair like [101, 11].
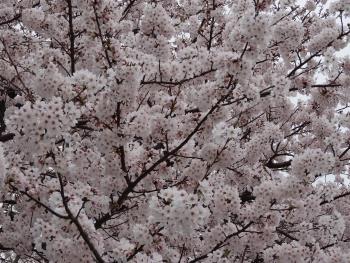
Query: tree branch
[222, 243]
[71, 37]
[165, 157]
[16, 17]
[101, 36]
[7, 137]
[77, 223]
[40, 203]
[127, 10]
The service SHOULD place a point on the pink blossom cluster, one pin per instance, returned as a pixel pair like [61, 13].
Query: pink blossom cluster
[174, 131]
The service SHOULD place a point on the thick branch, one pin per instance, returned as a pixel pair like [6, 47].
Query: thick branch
[3, 248]
[6, 137]
[16, 17]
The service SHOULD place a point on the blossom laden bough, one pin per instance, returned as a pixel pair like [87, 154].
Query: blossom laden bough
[167, 131]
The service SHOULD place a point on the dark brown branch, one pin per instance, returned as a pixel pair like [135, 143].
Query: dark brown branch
[63, 67]
[303, 63]
[315, 55]
[222, 243]
[131, 187]
[122, 159]
[118, 113]
[134, 253]
[3, 248]
[77, 223]
[175, 83]
[244, 50]
[139, 249]
[330, 85]
[286, 234]
[16, 17]
[124, 195]
[283, 17]
[16, 69]
[164, 187]
[40, 203]
[195, 110]
[11, 91]
[298, 129]
[335, 198]
[127, 10]
[101, 36]
[210, 41]
[333, 244]
[7, 137]
[71, 37]
[344, 152]
[182, 252]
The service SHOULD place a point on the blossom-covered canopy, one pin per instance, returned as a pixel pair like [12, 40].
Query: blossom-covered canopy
[174, 131]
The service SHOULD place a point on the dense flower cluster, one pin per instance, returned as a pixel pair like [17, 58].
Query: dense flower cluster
[173, 131]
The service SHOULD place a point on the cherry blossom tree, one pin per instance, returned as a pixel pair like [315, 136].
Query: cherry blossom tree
[171, 131]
